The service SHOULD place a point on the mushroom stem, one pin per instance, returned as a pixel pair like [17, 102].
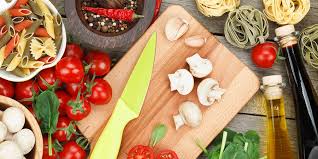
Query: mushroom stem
[178, 121]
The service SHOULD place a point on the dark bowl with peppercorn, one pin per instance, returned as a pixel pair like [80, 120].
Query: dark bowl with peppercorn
[112, 25]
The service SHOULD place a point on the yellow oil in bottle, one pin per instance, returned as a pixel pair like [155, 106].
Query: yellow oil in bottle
[278, 144]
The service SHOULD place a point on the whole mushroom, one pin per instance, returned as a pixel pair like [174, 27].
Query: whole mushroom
[199, 67]
[3, 131]
[14, 119]
[208, 91]
[175, 28]
[10, 150]
[182, 81]
[25, 139]
[189, 114]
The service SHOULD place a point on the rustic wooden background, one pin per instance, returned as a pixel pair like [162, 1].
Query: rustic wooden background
[252, 116]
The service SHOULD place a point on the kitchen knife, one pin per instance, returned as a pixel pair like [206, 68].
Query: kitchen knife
[128, 106]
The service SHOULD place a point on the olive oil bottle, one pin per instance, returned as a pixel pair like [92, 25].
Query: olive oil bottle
[278, 145]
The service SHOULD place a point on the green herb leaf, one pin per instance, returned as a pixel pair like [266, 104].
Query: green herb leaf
[157, 134]
[230, 135]
[253, 136]
[234, 151]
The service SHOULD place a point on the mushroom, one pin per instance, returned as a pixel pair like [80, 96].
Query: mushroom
[3, 131]
[14, 119]
[209, 91]
[10, 150]
[175, 28]
[199, 67]
[25, 140]
[182, 81]
[189, 114]
[195, 41]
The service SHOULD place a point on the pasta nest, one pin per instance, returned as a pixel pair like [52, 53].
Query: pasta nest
[308, 42]
[286, 11]
[246, 27]
[212, 8]
[40, 47]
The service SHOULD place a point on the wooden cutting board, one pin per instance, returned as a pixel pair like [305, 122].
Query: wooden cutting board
[161, 104]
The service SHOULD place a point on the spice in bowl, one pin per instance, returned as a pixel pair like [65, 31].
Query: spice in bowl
[114, 16]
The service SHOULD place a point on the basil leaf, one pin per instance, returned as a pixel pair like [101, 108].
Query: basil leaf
[157, 134]
[46, 110]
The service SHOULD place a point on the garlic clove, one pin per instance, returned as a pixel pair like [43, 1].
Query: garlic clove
[189, 114]
[207, 90]
[175, 28]
[182, 81]
[195, 41]
[199, 67]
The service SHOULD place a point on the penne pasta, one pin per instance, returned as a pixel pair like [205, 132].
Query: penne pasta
[35, 8]
[3, 31]
[22, 43]
[58, 31]
[20, 3]
[11, 45]
[1, 56]
[14, 63]
[2, 21]
[48, 18]
[8, 60]
[32, 64]
[41, 32]
[26, 71]
[35, 25]
[9, 23]
[47, 59]
[5, 39]
[26, 54]
[32, 16]
[8, 1]
[17, 20]
[19, 12]
[19, 72]
[23, 25]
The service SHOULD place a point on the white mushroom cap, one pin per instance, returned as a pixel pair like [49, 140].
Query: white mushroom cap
[10, 150]
[25, 140]
[182, 81]
[3, 131]
[14, 119]
[208, 91]
[189, 114]
[199, 67]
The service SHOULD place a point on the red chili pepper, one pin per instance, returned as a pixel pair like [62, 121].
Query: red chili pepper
[157, 10]
[117, 14]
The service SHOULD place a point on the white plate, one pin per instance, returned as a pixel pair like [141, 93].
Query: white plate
[11, 77]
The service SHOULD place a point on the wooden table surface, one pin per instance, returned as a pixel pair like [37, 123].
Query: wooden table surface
[252, 116]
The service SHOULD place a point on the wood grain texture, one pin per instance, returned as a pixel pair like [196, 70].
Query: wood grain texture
[160, 103]
[30, 123]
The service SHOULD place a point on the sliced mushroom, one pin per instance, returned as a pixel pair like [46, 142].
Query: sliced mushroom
[189, 114]
[199, 66]
[175, 28]
[208, 91]
[182, 81]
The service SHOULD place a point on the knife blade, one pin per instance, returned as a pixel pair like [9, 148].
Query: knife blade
[128, 106]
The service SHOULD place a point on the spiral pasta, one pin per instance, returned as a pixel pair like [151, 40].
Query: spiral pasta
[286, 11]
[246, 27]
[216, 7]
[308, 42]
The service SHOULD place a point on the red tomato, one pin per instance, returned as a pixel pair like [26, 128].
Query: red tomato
[46, 150]
[23, 90]
[73, 50]
[101, 92]
[6, 88]
[31, 110]
[78, 109]
[141, 152]
[49, 76]
[70, 70]
[264, 55]
[100, 62]
[64, 98]
[72, 150]
[73, 88]
[65, 130]
[167, 154]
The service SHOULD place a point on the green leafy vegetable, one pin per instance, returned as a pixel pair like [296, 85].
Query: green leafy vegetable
[158, 133]
[46, 110]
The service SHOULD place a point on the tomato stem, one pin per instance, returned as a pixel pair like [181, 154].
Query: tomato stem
[50, 144]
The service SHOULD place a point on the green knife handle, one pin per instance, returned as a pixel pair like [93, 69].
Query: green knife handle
[108, 144]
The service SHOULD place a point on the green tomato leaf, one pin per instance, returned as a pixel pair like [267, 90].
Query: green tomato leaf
[158, 133]
[46, 110]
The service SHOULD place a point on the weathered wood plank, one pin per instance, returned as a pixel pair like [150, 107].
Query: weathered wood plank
[242, 123]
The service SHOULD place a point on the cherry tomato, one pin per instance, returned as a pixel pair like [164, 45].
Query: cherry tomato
[23, 90]
[65, 130]
[167, 154]
[78, 109]
[141, 152]
[73, 50]
[70, 70]
[64, 98]
[49, 76]
[264, 55]
[72, 150]
[101, 92]
[46, 150]
[6, 88]
[73, 88]
[100, 63]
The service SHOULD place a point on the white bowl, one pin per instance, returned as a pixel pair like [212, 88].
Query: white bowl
[14, 78]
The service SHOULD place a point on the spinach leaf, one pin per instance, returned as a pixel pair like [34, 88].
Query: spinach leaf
[230, 135]
[234, 151]
[253, 136]
[158, 133]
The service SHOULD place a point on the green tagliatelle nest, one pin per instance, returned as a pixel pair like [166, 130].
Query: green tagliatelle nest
[246, 27]
[308, 42]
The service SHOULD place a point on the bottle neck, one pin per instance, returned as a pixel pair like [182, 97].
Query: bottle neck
[288, 40]
[273, 92]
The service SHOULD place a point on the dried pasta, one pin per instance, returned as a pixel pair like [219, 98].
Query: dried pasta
[286, 11]
[217, 8]
[48, 18]
[36, 48]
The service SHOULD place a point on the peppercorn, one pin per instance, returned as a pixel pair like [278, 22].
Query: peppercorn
[104, 29]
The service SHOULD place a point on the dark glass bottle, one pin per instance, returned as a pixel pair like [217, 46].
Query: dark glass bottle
[306, 105]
